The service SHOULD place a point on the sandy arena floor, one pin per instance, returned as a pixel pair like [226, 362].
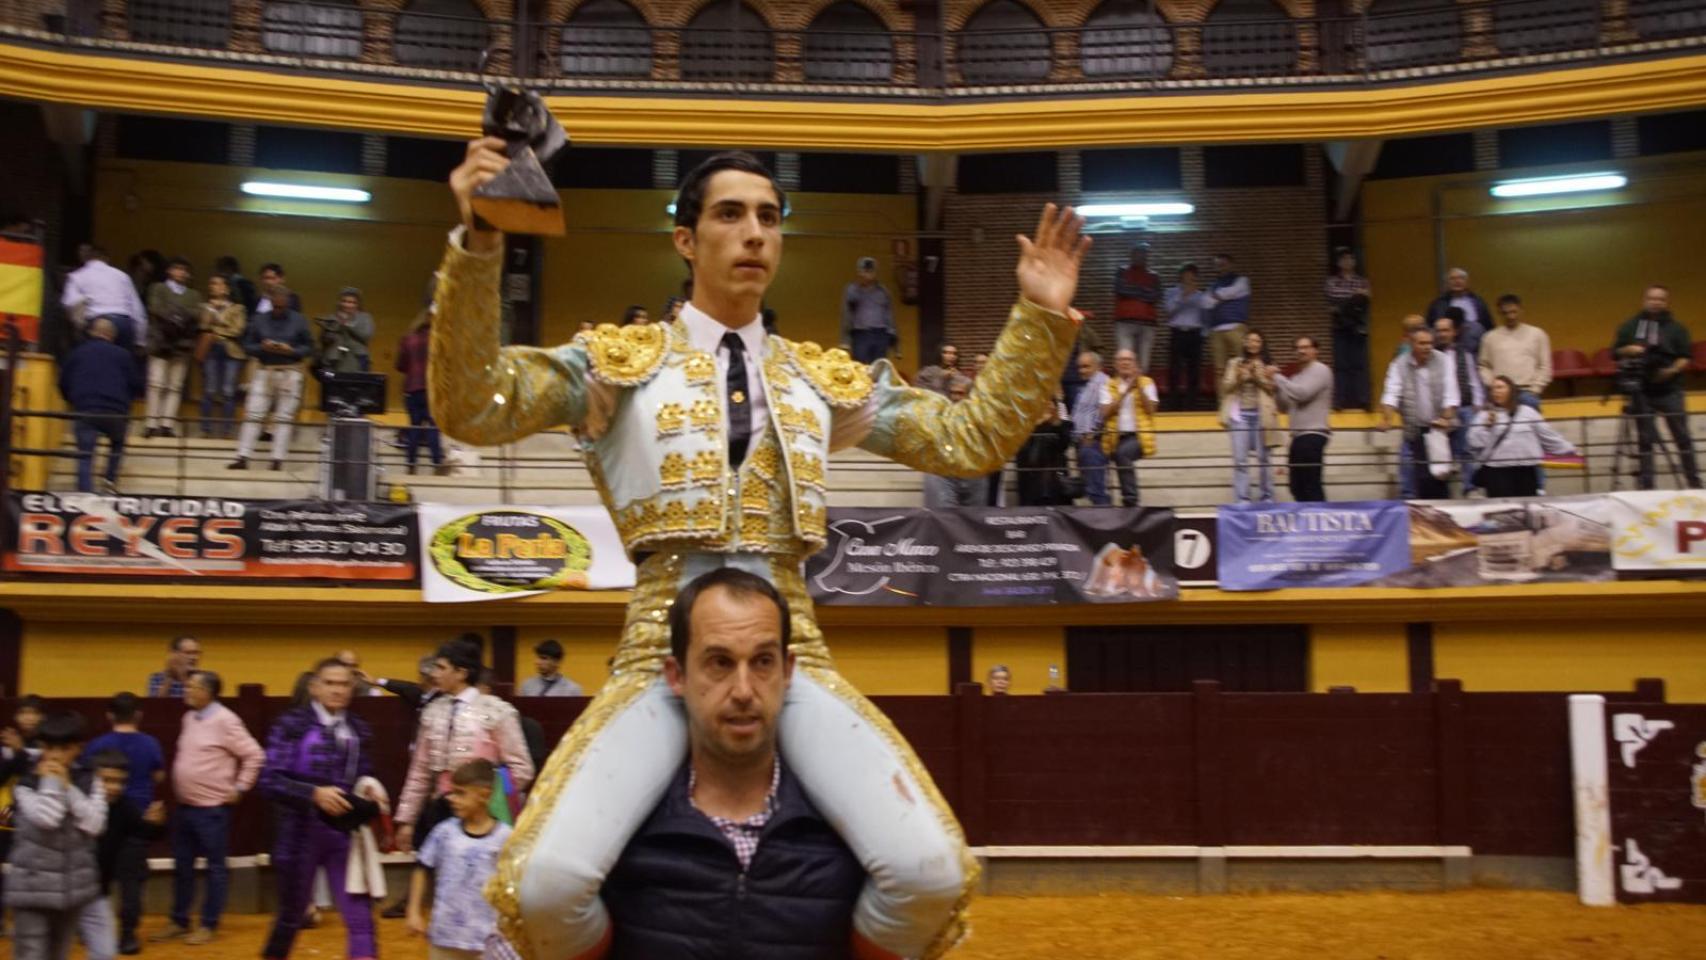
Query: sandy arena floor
[1469, 925]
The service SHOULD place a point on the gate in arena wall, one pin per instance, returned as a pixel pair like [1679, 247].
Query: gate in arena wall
[1243, 658]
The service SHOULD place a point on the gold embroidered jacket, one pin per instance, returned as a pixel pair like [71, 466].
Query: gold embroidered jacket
[649, 411]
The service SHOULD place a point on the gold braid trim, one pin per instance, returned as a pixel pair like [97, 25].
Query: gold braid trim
[842, 381]
[625, 356]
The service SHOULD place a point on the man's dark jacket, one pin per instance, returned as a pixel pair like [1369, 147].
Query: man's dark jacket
[100, 377]
[678, 890]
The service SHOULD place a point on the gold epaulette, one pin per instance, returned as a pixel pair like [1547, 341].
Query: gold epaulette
[625, 356]
[841, 381]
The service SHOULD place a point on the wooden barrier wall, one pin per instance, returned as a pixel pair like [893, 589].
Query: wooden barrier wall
[1486, 770]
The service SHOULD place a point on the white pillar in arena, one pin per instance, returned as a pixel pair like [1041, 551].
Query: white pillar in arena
[1595, 876]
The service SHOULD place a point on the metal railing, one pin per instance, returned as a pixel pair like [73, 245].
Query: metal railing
[1116, 48]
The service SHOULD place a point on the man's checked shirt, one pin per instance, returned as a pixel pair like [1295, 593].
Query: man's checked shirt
[743, 833]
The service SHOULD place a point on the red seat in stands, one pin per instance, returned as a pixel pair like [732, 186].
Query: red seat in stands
[1604, 365]
[1699, 365]
[1568, 366]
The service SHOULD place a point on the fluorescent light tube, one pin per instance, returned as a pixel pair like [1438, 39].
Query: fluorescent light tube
[1545, 186]
[1158, 208]
[302, 191]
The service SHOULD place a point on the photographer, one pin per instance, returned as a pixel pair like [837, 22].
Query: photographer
[1653, 351]
[344, 335]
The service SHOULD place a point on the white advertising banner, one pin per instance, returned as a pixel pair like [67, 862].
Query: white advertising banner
[1659, 530]
[493, 553]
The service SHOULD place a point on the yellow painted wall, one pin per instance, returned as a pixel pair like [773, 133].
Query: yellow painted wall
[68, 659]
[1026, 651]
[618, 250]
[1574, 655]
[892, 660]
[1372, 657]
[1579, 271]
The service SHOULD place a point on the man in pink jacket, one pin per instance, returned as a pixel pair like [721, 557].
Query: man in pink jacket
[217, 762]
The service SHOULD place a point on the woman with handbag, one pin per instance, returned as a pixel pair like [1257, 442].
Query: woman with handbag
[1247, 409]
[1509, 441]
[219, 351]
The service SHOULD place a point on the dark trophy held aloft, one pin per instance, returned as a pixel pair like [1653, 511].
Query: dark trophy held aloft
[521, 199]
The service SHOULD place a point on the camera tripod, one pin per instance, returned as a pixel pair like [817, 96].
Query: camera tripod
[1636, 412]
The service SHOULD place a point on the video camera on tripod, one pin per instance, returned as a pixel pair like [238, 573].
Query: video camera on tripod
[1635, 373]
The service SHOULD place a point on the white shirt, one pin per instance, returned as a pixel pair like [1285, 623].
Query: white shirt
[1466, 303]
[1477, 394]
[705, 333]
[1392, 395]
[104, 290]
[1128, 407]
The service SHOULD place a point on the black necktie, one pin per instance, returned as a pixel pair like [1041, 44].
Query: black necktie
[740, 405]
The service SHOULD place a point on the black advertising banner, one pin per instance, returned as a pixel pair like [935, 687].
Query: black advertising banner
[984, 557]
[1656, 785]
[211, 538]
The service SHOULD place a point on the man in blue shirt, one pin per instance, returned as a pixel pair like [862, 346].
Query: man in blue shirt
[100, 380]
[180, 663]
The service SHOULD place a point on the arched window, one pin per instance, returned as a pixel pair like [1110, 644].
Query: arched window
[1004, 42]
[446, 34]
[1544, 26]
[180, 23]
[323, 29]
[1663, 19]
[727, 40]
[1249, 38]
[846, 43]
[606, 38]
[1413, 33]
[1124, 39]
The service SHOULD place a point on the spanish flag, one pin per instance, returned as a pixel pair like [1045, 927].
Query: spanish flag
[21, 285]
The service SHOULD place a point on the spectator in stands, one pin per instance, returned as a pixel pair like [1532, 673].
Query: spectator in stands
[549, 682]
[124, 853]
[272, 275]
[317, 757]
[216, 763]
[174, 322]
[1420, 394]
[1247, 409]
[978, 362]
[279, 339]
[147, 267]
[1087, 428]
[1041, 462]
[99, 382]
[1412, 322]
[20, 745]
[122, 850]
[1137, 293]
[223, 323]
[635, 315]
[1307, 395]
[956, 491]
[791, 875]
[1000, 680]
[243, 289]
[1187, 307]
[1509, 440]
[1129, 402]
[936, 376]
[412, 353]
[416, 695]
[181, 662]
[352, 660]
[1348, 304]
[672, 309]
[98, 289]
[1476, 316]
[1662, 346]
[460, 855]
[867, 315]
[1229, 313]
[54, 883]
[1518, 350]
[1470, 393]
[1087, 341]
[345, 334]
[456, 727]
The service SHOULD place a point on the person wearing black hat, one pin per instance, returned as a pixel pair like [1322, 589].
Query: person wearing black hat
[316, 754]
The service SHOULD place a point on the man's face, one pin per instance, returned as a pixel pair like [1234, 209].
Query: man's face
[737, 245]
[641, 316]
[1306, 351]
[1139, 257]
[280, 300]
[196, 693]
[333, 687]
[27, 720]
[466, 799]
[1188, 280]
[187, 655]
[547, 666]
[1347, 262]
[270, 277]
[112, 782]
[1222, 264]
[445, 676]
[978, 363]
[1000, 681]
[1512, 312]
[1656, 300]
[867, 276]
[1422, 346]
[950, 358]
[735, 676]
[65, 753]
[1087, 365]
[1457, 281]
[179, 273]
[1444, 333]
[958, 391]
[1125, 364]
[348, 305]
